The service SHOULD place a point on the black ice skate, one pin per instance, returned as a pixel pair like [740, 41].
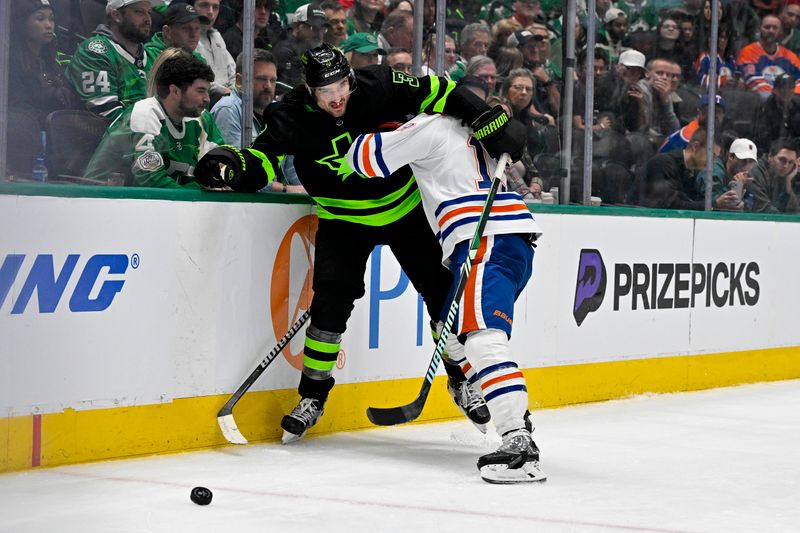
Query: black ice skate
[470, 401]
[515, 461]
[297, 423]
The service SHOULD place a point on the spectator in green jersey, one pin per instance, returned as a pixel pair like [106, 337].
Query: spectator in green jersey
[157, 141]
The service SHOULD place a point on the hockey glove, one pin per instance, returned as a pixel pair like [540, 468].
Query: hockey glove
[240, 170]
[499, 134]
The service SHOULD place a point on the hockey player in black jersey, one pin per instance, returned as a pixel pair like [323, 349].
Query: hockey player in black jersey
[316, 123]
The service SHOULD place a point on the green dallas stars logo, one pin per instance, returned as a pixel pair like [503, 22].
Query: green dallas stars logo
[337, 161]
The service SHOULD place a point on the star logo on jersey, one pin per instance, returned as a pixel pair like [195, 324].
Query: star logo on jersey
[337, 161]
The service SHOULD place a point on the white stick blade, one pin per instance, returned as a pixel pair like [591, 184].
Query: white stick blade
[229, 430]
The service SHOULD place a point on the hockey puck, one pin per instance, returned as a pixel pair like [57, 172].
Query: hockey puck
[201, 496]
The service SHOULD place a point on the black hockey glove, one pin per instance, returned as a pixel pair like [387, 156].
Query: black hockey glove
[228, 166]
[499, 134]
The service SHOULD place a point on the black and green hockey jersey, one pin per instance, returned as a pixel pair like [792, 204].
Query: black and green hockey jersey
[106, 76]
[297, 126]
[146, 147]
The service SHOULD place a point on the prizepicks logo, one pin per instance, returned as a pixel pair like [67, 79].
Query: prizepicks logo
[660, 286]
[297, 245]
[591, 285]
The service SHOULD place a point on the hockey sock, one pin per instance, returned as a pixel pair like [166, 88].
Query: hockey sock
[453, 357]
[502, 383]
[319, 357]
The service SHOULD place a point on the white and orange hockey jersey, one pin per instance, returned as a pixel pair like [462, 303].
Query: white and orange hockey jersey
[453, 173]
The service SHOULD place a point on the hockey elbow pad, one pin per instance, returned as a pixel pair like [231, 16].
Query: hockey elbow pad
[240, 170]
[499, 134]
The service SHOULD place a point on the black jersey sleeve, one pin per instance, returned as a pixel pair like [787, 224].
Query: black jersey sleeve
[426, 94]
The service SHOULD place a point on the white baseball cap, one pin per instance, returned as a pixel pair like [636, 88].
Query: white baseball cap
[116, 4]
[744, 149]
[632, 58]
[612, 14]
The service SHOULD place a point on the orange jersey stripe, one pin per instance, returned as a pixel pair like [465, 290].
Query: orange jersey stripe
[470, 321]
[365, 155]
[478, 209]
[499, 379]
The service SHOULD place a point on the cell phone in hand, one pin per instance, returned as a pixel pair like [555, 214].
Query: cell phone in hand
[738, 187]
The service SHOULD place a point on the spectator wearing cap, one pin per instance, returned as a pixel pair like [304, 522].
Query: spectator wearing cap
[546, 96]
[790, 19]
[779, 115]
[362, 49]
[308, 27]
[336, 31]
[213, 49]
[36, 82]
[775, 187]
[181, 29]
[108, 69]
[267, 28]
[680, 138]
[614, 41]
[396, 30]
[761, 61]
[399, 59]
[731, 174]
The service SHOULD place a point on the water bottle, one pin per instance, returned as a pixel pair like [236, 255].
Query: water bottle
[39, 172]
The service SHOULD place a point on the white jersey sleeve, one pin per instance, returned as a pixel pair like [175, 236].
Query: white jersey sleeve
[454, 175]
[381, 154]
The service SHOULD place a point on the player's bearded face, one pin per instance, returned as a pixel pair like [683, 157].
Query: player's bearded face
[194, 99]
[333, 98]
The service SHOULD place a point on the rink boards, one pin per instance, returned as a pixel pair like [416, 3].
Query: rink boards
[128, 317]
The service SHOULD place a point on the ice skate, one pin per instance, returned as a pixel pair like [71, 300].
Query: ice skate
[470, 402]
[515, 461]
[299, 421]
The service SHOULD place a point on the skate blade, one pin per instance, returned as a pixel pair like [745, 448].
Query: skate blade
[288, 438]
[502, 475]
[481, 427]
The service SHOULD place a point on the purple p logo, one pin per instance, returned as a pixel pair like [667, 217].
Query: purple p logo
[591, 285]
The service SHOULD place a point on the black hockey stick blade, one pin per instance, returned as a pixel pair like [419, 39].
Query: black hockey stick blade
[227, 424]
[391, 416]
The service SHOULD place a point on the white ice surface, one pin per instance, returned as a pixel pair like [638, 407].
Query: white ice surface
[724, 460]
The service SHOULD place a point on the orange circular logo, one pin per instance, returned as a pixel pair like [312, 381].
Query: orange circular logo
[285, 312]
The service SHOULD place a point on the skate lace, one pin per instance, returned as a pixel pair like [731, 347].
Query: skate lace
[306, 410]
[469, 398]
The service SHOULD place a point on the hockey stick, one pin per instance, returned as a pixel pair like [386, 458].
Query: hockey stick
[225, 416]
[390, 416]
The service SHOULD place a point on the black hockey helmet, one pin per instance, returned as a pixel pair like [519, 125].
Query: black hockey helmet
[324, 65]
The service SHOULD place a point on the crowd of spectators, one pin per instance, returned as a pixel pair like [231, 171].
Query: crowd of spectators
[93, 58]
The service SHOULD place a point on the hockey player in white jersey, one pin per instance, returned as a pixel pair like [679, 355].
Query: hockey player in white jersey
[454, 175]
